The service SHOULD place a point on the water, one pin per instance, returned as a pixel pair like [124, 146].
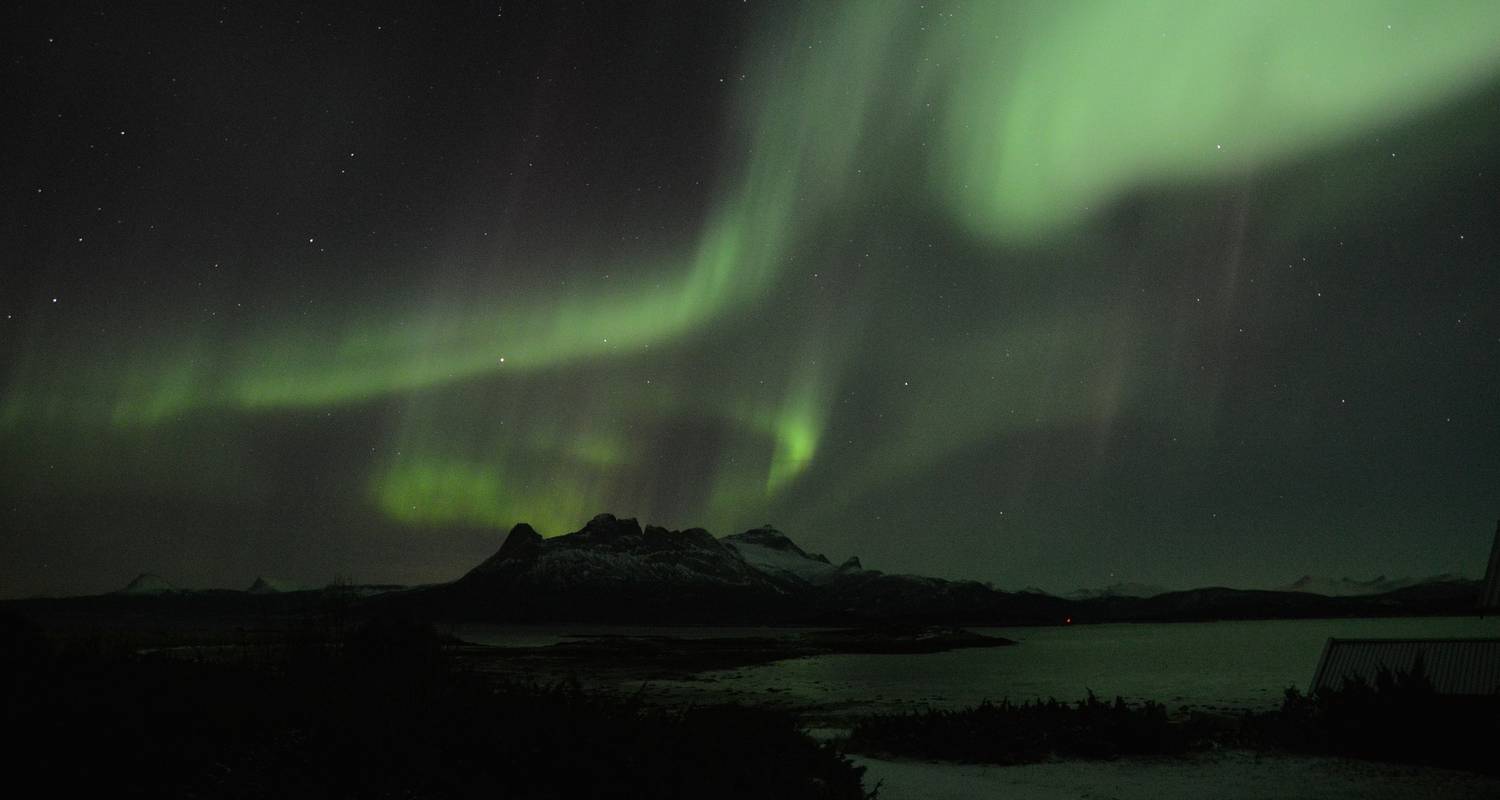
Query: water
[1216, 665]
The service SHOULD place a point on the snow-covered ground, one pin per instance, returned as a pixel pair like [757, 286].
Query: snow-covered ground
[1232, 775]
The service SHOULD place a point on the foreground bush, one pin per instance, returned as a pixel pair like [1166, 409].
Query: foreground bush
[1398, 718]
[381, 713]
[1013, 734]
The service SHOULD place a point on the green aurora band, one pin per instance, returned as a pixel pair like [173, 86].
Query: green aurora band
[1018, 123]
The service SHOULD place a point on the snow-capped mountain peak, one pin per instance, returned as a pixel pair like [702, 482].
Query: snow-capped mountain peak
[772, 552]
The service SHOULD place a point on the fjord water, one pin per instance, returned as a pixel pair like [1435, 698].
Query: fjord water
[1214, 665]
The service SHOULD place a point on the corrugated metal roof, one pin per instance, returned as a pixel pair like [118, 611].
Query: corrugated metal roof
[1454, 666]
[1489, 599]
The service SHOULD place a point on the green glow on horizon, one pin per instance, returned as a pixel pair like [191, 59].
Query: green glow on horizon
[430, 492]
[443, 493]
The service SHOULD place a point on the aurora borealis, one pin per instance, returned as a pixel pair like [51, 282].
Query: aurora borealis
[1038, 293]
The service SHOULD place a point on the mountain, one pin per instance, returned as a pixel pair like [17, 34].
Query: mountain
[147, 583]
[1219, 603]
[614, 571]
[850, 593]
[265, 585]
[1349, 587]
[1123, 589]
[358, 590]
[614, 553]
[771, 552]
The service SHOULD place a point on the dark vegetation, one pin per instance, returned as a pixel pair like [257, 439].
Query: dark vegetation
[377, 710]
[1398, 718]
[1006, 733]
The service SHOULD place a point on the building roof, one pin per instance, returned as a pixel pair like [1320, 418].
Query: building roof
[1454, 666]
[1489, 597]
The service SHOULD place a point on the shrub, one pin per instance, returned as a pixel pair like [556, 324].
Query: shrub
[1397, 718]
[1006, 733]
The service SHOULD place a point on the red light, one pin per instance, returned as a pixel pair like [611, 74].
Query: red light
[1068, 621]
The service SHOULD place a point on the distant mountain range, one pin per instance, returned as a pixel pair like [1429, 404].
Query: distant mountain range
[151, 584]
[613, 570]
[1349, 587]
[1328, 587]
[264, 585]
[1124, 589]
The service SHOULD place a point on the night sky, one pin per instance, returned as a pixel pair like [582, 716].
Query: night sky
[1038, 293]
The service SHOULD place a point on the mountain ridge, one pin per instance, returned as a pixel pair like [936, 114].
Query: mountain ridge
[1351, 587]
[615, 570]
